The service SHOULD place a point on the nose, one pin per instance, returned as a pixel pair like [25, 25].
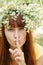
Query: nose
[16, 37]
[17, 40]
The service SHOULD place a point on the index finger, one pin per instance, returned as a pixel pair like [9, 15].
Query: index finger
[18, 46]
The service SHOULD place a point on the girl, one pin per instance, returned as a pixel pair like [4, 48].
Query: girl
[16, 47]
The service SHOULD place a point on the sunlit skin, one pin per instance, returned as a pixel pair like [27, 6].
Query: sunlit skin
[16, 38]
[40, 61]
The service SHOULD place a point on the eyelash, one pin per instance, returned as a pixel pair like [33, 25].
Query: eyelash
[10, 29]
[21, 28]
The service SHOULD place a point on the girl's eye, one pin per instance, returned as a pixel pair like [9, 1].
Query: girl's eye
[21, 28]
[10, 29]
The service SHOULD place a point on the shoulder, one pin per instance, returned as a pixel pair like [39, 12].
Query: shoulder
[38, 50]
[40, 61]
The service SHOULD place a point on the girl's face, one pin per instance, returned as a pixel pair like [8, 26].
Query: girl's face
[15, 36]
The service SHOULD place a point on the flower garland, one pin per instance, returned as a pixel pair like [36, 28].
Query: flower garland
[29, 12]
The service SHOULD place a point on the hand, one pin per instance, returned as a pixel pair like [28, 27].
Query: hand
[18, 56]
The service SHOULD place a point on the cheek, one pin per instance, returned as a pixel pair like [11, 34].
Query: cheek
[9, 37]
[11, 41]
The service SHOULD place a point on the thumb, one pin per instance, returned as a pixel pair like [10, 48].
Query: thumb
[11, 51]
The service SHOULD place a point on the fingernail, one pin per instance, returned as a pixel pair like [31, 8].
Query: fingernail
[11, 51]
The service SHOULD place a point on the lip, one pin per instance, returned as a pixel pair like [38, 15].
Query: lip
[14, 44]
